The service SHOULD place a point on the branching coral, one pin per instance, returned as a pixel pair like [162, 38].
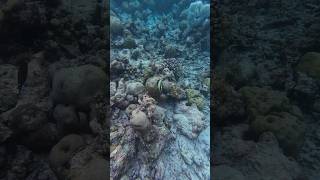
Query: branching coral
[174, 65]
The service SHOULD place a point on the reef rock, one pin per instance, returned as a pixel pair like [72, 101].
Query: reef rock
[62, 153]
[81, 9]
[229, 103]
[169, 89]
[9, 87]
[117, 67]
[68, 120]
[36, 86]
[288, 129]
[116, 27]
[42, 139]
[88, 165]
[113, 88]
[261, 160]
[190, 121]
[129, 43]
[26, 118]
[119, 94]
[305, 90]
[197, 15]
[122, 153]
[78, 85]
[263, 100]
[5, 132]
[310, 64]
[195, 97]
[271, 111]
[135, 88]
[139, 120]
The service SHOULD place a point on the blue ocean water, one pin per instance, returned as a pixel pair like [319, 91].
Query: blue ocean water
[180, 30]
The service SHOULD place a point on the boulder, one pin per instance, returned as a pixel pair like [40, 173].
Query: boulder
[270, 110]
[116, 27]
[135, 88]
[88, 165]
[78, 86]
[62, 153]
[288, 129]
[68, 120]
[139, 120]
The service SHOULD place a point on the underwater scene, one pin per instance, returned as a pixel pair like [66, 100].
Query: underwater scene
[78, 102]
[160, 89]
[266, 89]
[53, 83]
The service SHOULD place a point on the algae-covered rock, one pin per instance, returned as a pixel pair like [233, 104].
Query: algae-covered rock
[26, 118]
[147, 72]
[177, 92]
[271, 110]
[229, 104]
[158, 114]
[135, 88]
[63, 151]
[195, 97]
[78, 85]
[130, 108]
[95, 169]
[129, 43]
[9, 87]
[190, 121]
[116, 27]
[68, 120]
[139, 120]
[88, 165]
[288, 129]
[310, 64]
[261, 101]
[172, 89]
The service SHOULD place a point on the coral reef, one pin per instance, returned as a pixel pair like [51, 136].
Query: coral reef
[155, 132]
[53, 103]
[266, 89]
